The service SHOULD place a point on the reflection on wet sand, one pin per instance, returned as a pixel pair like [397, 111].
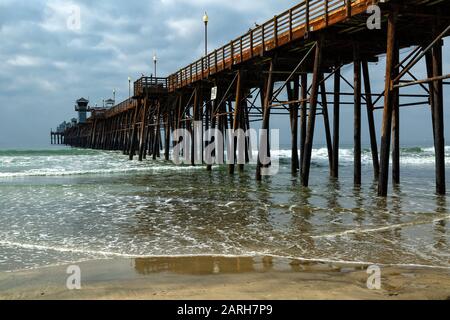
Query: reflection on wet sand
[199, 265]
[210, 265]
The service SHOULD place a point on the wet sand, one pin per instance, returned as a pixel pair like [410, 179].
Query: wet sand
[223, 278]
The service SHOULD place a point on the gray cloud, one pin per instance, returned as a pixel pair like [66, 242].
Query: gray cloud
[46, 66]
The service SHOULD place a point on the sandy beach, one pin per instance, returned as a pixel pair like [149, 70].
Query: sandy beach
[223, 278]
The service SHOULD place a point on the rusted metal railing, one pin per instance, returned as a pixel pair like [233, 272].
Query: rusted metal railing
[149, 82]
[307, 16]
[121, 107]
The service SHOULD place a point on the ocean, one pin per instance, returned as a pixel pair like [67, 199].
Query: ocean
[66, 205]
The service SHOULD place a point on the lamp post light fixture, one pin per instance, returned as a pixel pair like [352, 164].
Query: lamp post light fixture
[155, 61]
[206, 20]
[129, 87]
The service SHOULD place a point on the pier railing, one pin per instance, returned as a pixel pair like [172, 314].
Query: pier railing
[150, 83]
[307, 16]
[295, 23]
[120, 108]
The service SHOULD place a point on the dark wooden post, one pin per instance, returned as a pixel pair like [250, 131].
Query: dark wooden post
[396, 124]
[388, 106]
[133, 130]
[293, 94]
[142, 134]
[438, 119]
[243, 126]
[326, 120]
[113, 132]
[429, 63]
[94, 128]
[194, 118]
[370, 118]
[125, 132]
[336, 120]
[357, 116]
[268, 91]
[157, 134]
[213, 120]
[312, 115]
[303, 117]
[167, 137]
[236, 118]
[219, 118]
[180, 113]
[152, 130]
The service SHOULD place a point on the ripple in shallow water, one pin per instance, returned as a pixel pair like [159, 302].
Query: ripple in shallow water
[122, 208]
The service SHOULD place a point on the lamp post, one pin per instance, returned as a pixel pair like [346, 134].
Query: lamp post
[114, 95]
[155, 61]
[129, 88]
[206, 20]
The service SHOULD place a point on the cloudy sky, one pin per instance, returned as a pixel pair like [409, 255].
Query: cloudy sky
[48, 61]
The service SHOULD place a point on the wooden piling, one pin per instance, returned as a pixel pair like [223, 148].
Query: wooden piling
[306, 165]
[438, 116]
[267, 97]
[336, 122]
[243, 126]
[192, 124]
[396, 123]
[143, 129]
[293, 95]
[213, 120]
[388, 106]
[157, 132]
[357, 117]
[326, 121]
[371, 121]
[133, 133]
[167, 120]
[303, 117]
[236, 118]
[430, 72]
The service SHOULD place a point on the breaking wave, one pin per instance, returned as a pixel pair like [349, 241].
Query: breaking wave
[73, 162]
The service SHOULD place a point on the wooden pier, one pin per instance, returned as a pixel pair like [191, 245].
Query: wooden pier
[57, 137]
[298, 54]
